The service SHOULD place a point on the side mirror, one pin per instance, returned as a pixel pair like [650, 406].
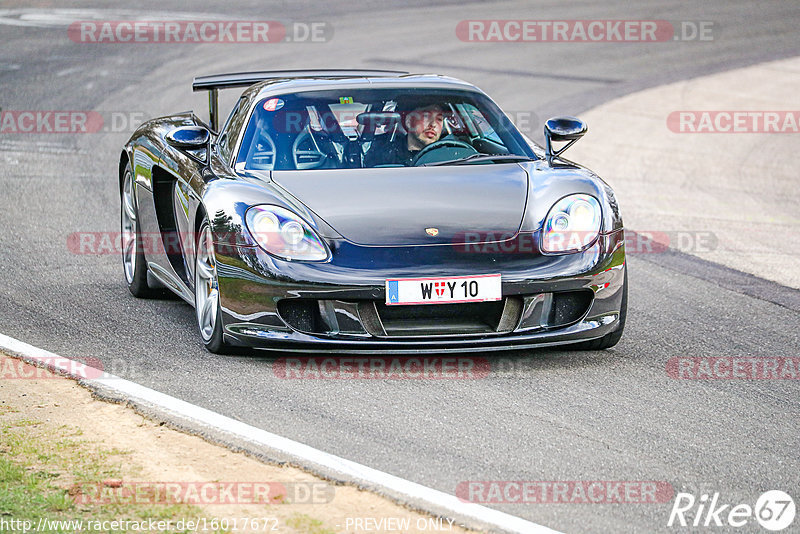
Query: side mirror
[568, 129]
[195, 141]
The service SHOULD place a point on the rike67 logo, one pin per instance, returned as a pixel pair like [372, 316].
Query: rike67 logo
[774, 510]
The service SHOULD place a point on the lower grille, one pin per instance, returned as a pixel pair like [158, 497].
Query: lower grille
[449, 319]
[374, 318]
[371, 318]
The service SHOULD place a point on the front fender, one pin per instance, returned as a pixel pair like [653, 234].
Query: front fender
[549, 184]
[226, 197]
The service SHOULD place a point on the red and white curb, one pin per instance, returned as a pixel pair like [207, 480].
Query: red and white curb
[260, 443]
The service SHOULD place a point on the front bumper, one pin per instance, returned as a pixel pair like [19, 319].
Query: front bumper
[349, 288]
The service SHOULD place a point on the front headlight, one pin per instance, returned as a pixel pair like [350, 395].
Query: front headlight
[572, 224]
[283, 234]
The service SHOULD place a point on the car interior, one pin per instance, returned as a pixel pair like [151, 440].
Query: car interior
[316, 133]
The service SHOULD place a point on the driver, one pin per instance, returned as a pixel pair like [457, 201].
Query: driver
[423, 123]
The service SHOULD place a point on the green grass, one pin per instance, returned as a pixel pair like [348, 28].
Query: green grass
[41, 470]
[44, 472]
[25, 493]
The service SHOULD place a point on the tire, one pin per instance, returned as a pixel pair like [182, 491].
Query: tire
[206, 294]
[612, 338]
[134, 263]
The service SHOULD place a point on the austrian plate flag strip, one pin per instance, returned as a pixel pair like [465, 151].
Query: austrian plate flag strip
[444, 290]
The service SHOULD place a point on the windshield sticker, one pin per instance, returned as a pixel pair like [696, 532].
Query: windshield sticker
[345, 99]
[273, 104]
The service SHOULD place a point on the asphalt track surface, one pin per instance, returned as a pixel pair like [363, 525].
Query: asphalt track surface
[543, 415]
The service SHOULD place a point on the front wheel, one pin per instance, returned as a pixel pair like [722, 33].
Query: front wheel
[134, 263]
[206, 293]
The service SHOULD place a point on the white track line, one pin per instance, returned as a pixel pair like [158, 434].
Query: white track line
[262, 443]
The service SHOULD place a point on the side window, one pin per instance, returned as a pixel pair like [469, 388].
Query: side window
[231, 130]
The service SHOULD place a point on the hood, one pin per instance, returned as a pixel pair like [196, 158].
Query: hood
[402, 206]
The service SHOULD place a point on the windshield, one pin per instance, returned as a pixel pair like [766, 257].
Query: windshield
[370, 128]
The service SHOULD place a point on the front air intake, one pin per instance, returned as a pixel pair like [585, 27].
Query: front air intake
[569, 307]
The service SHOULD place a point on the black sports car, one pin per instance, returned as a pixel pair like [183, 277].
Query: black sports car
[371, 211]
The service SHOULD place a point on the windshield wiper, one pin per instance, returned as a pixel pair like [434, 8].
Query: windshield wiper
[480, 157]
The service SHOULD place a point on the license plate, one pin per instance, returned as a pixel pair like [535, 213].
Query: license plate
[443, 290]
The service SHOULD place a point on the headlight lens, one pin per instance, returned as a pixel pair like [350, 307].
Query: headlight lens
[572, 224]
[283, 234]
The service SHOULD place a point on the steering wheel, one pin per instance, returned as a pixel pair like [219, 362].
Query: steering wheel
[441, 144]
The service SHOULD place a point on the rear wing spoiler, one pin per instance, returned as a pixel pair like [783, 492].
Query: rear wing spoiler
[215, 82]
